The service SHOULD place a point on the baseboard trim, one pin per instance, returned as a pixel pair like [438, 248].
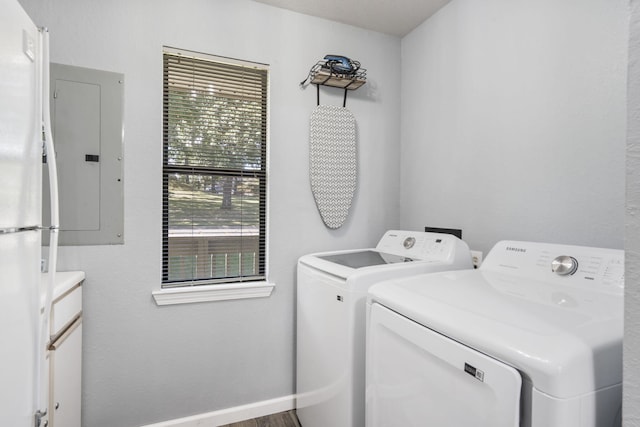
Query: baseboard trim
[232, 415]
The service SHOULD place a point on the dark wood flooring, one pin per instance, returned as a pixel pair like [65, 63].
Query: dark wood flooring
[281, 419]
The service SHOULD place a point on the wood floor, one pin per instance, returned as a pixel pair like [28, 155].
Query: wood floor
[281, 419]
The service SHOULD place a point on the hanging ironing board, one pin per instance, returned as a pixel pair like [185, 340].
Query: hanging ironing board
[332, 143]
[332, 162]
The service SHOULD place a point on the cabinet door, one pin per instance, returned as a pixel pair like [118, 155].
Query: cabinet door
[66, 378]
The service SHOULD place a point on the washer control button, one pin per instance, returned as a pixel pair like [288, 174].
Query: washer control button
[409, 242]
[564, 265]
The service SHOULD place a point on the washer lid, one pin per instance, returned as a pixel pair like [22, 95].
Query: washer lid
[567, 340]
[366, 258]
[368, 266]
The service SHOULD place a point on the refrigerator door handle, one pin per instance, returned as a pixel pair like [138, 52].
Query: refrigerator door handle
[42, 398]
[37, 422]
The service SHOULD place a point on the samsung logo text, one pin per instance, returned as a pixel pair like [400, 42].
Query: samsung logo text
[512, 249]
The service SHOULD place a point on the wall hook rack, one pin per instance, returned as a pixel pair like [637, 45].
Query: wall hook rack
[329, 73]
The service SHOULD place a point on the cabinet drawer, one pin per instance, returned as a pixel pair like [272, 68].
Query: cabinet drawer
[65, 309]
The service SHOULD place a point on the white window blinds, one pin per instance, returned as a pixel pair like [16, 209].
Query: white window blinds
[214, 169]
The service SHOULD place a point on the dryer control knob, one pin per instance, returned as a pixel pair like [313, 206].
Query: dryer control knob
[564, 265]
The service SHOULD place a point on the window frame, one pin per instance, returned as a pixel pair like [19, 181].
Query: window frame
[202, 289]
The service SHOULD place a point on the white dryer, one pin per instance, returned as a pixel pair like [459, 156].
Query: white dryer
[531, 339]
[331, 300]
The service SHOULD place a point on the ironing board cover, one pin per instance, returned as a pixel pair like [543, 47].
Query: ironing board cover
[332, 162]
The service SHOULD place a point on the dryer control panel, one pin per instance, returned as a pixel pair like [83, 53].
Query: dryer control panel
[578, 266]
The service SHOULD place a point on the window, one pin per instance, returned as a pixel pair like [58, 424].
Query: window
[214, 169]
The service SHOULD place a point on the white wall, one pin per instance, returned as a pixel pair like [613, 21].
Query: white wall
[631, 408]
[513, 121]
[143, 363]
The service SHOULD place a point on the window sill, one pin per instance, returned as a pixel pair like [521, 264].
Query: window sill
[205, 293]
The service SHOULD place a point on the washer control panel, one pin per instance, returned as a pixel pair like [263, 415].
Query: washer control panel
[419, 245]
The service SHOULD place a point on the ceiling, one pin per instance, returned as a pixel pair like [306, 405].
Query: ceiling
[395, 17]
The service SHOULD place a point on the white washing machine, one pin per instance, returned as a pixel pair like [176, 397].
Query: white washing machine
[331, 300]
[533, 338]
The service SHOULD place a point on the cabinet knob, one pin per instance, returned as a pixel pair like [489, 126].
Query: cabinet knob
[57, 405]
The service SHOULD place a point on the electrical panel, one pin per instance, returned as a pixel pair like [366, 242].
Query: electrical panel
[87, 119]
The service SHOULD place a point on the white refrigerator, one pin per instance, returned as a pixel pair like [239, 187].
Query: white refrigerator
[24, 301]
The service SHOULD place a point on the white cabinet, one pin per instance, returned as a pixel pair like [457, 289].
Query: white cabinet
[65, 360]
[65, 351]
